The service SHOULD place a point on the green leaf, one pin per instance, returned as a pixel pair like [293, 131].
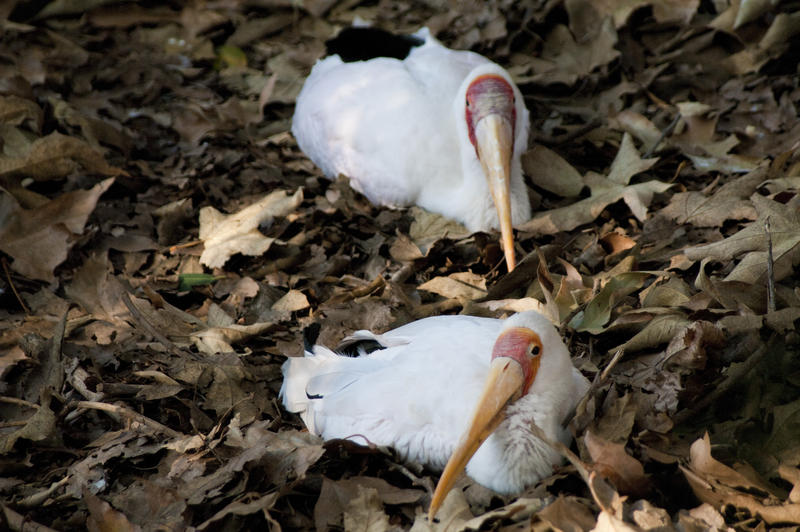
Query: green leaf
[186, 281]
[230, 56]
[598, 311]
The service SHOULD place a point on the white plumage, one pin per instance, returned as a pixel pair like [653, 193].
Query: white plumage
[419, 394]
[397, 129]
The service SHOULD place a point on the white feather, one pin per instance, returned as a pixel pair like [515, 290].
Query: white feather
[397, 130]
[418, 396]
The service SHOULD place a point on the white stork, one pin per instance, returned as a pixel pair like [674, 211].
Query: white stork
[447, 392]
[443, 129]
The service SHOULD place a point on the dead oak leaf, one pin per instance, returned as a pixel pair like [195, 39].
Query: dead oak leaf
[41, 426]
[427, 228]
[245, 505]
[220, 339]
[336, 495]
[720, 485]
[614, 463]
[225, 235]
[729, 202]
[605, 191]
[751, 243]
[38, 239]
[365, 512]
[461, 285]
[104, 518]
[550, 171]
[570, 60]
[56, 156]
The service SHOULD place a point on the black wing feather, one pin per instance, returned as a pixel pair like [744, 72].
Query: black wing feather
[364, 43]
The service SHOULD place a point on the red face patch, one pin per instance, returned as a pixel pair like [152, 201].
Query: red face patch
[489, 94]
[524, 346]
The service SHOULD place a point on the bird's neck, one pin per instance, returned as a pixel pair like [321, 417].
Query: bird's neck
[512, 458]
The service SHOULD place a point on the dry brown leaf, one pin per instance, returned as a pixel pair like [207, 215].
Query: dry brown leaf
[567, 514]
[56, 156]
[605, 191]
[221, 339]
[719, 485]
[570, 60]
[550, 171]
[225, 235]
[40, 427]
[688, 347]
[104, 518]
[752, 240]
[15, 111]
[38, 239]
[336, 496]
[462, 285]
[427, 228]
[291, 301]
[365, 512]
[611, 461]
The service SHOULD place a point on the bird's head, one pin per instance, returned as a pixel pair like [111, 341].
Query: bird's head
[490, 113]
[516, 358]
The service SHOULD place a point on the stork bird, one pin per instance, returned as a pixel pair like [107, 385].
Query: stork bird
[443, 129]
[448, 392]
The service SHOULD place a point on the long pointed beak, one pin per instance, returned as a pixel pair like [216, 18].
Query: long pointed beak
[505, 383]
[495, 139]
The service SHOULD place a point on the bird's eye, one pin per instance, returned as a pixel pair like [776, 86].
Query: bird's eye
[468, 104]
[535, 350]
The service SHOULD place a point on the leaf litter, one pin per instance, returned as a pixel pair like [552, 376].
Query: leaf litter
[164, 244]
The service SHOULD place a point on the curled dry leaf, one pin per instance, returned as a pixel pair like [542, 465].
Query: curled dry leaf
[38, 239]
[56, 156]
[102, 517]
[225, 235]
[605, 191]
[611, 461]
[719, 485]
[463, 285]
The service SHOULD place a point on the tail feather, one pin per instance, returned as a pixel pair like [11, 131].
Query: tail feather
[297, 373]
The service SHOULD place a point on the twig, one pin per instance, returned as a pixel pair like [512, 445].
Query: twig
[131, 415]
[432, 309]
[664, 134]
[13, 287]
[9, 424]
[604, 375]
[374, 285]
[38, 498]
[403, 273]
[424, 482]
[16, 401]
[598, 381]
[735, 374]
[770, 269]
[18, 522]
[601, 490]
[176, 247]
[141, 320]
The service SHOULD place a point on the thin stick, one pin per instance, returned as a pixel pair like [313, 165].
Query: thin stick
[9, 424]
[16, 401]
[770, 269]
[131, 415]
[141, 320]
[668, 130]
[13, 287]
[374, 285]
[734, 376]
[38, 498]
[20, 522]
[176, 247]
